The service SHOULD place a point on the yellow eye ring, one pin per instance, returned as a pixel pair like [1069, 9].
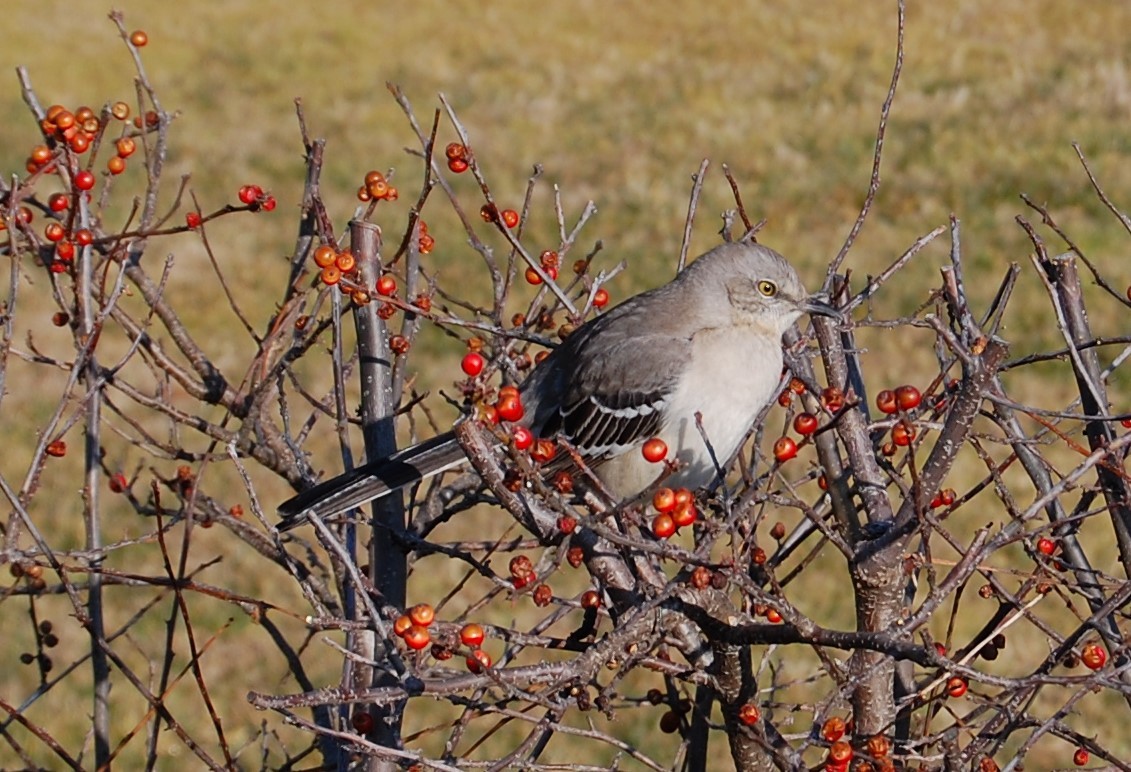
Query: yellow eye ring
[767, 288]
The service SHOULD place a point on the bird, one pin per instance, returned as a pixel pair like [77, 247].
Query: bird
[708, 342]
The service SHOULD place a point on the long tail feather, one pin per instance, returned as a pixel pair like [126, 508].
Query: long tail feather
[373, 480]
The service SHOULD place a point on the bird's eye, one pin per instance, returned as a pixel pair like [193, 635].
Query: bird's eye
[767, 288]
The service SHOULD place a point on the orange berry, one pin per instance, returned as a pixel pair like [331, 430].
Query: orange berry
[422, 614]
[833, 729]
[471, 634]
[664, 500]
[139, 38]
[345, 261]
[331, 275]
[116, 165]
[749, 714]
[324, 256]
[902, 434]
[1093, 656]
[125, 146]
[510, 218]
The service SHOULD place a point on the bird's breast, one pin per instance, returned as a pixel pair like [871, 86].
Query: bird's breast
[733, 373]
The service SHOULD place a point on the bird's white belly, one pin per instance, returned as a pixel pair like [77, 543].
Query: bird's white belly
[728, 397]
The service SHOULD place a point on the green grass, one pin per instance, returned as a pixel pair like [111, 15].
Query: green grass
[619, 103]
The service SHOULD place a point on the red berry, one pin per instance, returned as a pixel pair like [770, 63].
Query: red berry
[567, 524]
[510, 218]
[401, 625]
[886, 400]
[455, 150]
[471, 634]
[684, 513]
[805, 423]
[457, 165]
[248, 194]
[1080, 757]
[654, 450]
[362, 723]
[472, 364]
[749, 714]
[387, 285]
[1046, 546]
[663, 526]
[833, 729]
[57, 448]
[58, 202]
[478, 661]
[532, 276]
[908, 397]
[269, 204]
[840, 752]
[902, 434]
[79, 142]
[54, 232]
[832, 398]
[510, 408]
[83, 237]
[600, 298]
[590, 599]
[193, 220]
[773, 616]
[1093, 656]
[417, 637]
[118, 482]
[64, 250]
[956, 686]
[523, 437]
[84, 180]
[785, 449]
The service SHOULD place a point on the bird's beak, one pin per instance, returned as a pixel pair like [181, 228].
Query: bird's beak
[818, 305]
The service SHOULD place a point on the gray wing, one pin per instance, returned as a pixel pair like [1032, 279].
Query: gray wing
[607, 387]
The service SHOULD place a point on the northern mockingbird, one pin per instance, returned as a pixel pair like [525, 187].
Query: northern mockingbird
[709, 341]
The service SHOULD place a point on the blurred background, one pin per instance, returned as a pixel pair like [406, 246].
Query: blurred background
[619, 103]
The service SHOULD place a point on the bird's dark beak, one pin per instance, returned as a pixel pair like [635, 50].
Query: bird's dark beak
[818, 305]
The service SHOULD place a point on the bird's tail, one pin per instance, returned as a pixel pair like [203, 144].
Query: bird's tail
[373, 480]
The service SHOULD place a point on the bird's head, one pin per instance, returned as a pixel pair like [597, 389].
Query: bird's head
[762, 288]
